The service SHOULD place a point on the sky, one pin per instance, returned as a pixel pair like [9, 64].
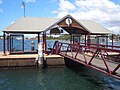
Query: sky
[104, 12]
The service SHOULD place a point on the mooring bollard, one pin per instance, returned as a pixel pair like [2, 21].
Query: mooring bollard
[40, 55]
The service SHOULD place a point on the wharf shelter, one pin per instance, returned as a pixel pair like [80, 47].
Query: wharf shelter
[39, 26]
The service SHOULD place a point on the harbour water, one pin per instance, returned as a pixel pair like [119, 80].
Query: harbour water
[64, 78]
[56, 79]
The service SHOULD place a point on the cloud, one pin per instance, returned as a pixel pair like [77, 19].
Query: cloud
[66, 5]
[30, 1]
[53, 0]
[12, 22]
[104, 12]
[115, 29]
[55, 12]
[0, 1]
[1, 10]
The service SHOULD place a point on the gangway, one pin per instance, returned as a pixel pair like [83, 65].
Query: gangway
[104, 58]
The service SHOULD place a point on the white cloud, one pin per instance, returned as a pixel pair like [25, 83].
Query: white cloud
[0, 1]
[53, 0]
[115, 29]
[104, 12]
[55, 12]
[30, 1]
[66, 5]
[12, 22]
[1, 10]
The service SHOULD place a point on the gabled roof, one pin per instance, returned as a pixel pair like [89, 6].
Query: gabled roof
[29, 25]
[37, 25]
[94, 28]
[90, 26]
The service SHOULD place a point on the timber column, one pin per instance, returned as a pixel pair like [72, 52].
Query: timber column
[88, 40]
[38, 38]
[85, 39]
[112, 40]
[44, 43]
[4, 53]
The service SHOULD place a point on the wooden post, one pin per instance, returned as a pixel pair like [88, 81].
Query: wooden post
[23, 43]
[85, 39]
[70, 38]
[107, 41]
[38, 38]
[4, 53]
[44, 42]
[112, 40]
[89, 40]
[12, 42]
[8, 42]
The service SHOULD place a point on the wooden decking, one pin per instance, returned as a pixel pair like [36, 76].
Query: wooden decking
[17, 60]
[21, 60]
[54, 60]
[18, 56]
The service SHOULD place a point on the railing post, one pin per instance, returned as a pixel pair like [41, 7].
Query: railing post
[57, 48]
[93, 56]
[105, 63]
[60, 47]
[77, 50]
[113, 72]
[54, 47]
[67, 49]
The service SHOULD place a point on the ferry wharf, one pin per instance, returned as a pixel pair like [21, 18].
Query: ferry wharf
[88, 44]
[29, 61]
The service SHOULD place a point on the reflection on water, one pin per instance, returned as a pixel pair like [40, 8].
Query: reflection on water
[55, 79]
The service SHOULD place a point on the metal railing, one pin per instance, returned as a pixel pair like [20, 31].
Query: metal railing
[73, 51]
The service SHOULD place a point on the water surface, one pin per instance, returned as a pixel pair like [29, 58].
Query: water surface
[62, 78]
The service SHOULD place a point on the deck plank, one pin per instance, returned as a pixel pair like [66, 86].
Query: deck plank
[18, 56]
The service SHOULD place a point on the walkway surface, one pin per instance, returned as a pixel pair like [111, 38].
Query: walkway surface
[18, 56]
[96, 62]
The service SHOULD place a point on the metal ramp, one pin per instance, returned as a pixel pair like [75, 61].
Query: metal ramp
[99, 57]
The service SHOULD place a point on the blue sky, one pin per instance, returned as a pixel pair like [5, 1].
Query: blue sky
[11, 10]
[105, 12]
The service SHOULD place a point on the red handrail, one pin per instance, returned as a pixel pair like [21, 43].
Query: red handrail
[97, 50]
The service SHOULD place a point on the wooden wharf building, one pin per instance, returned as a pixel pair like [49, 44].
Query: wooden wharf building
[93, 55]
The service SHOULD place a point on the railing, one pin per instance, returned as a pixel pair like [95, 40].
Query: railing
[58, 46]
[79, 53]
